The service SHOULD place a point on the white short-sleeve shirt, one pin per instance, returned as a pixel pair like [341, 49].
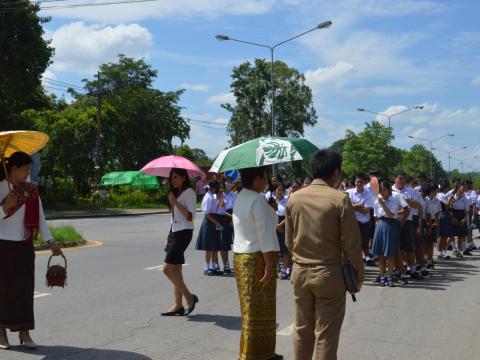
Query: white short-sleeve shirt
[364, 198]
[395, 203]
[209, 204]
[188, 200]
[254, 223]
[461, 203]
[409, 193]
[282, 205]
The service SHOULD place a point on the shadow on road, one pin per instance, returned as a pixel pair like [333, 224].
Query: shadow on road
[75, 353]
[223, 321]
[446, 272]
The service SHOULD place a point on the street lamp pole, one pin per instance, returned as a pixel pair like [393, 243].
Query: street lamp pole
[449, 153]
[323, 25]
[430, 141]
[389, 117]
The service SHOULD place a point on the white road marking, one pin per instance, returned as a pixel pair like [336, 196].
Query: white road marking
[286, 331]
[38, 295]
[159, 267]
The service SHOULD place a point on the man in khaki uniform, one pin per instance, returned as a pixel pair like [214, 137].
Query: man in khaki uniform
[321, 230]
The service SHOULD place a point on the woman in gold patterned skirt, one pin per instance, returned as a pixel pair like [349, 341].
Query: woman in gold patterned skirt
[255, 247]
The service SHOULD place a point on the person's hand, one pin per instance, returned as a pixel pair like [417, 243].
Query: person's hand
[172, 199]
[10, 201]
[280, 228]
[267, 276]
[55, 249]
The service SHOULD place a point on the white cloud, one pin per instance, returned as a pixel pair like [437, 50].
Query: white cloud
[195, 87]
[395, 8]
[331, 77]
[82, 48]
[220, 99]
[48, 78]
[165, 8]
[327, 131]
[476, 81]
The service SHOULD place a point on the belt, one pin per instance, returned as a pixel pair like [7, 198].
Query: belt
[315, 265]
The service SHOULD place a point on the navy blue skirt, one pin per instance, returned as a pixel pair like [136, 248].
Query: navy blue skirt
[209, 238]
[386, 240]
[226, 238]
[445, 229]
[459, 230]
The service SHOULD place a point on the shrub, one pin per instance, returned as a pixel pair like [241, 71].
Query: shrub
[65, 234]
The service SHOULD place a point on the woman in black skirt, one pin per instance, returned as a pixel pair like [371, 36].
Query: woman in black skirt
[21, 219]
[445, 228]
[460, 207]
[182, 201]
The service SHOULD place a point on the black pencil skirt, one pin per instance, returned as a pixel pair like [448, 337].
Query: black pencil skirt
[17, 283]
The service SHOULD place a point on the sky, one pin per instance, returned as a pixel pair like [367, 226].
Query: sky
[382, 55]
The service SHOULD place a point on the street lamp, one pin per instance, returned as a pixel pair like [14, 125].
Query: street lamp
[430, 141]
[389, 117]
[450, 155]
[323, 25]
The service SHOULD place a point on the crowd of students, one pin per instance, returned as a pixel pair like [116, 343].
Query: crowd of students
[400, 221]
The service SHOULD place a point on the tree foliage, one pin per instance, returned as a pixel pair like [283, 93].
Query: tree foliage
[195, 155]
[251, 115]
[24, 57]
[418, 160]
[370, 149]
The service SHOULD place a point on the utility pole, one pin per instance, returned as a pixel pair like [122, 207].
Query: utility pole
[98, 155]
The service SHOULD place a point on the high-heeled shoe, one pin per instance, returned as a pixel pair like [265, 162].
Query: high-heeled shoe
[179, 312]
[30, 344]
[4, 344]
[190, 309]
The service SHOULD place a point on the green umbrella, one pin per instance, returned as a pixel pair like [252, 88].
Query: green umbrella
[263, 151]
[135, 179]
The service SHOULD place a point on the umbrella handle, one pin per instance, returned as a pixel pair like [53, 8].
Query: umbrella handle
[5, 170]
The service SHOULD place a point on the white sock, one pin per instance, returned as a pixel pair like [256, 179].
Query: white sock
[214, 266]
[207, 266]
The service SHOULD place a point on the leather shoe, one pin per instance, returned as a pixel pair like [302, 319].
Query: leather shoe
[190, 309]
[179, 312]
[277, 357]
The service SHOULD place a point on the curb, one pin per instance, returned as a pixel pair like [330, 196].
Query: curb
[64, 216]
[87, 245]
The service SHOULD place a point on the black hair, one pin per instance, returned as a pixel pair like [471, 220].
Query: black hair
[250, 174]
[288, 184]
[386, 184]
[360, 176]
[17, 159]
[400, 173]
[278, 177]
[443, 185]
[186, 184]
[373, 172]
[324, 163]
[213, 184]
[426, 189]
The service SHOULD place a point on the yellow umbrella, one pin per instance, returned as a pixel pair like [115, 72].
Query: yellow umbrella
[27, 141]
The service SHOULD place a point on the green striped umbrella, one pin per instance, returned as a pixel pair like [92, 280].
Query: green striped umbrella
[135, 179]
[263, 151]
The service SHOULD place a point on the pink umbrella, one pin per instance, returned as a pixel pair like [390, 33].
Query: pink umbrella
[164, 164]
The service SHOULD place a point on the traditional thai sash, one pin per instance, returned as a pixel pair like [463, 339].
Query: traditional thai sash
[26, 194]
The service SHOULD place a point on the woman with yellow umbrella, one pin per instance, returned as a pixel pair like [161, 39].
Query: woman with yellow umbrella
[21, 220]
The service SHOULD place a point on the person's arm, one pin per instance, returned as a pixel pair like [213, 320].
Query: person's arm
[350, 238]
[289, 227]
[45, 232]
[184, 210]
[385, 208]
[265, 224]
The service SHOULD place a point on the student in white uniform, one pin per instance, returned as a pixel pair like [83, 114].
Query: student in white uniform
[386, 240]
[363, 203]
[433, 209]
[281, 201]
[471, 196]
[460, 207]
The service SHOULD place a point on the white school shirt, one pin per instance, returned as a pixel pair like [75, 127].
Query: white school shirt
[209, 204]
[229, 199]
[13, 228]
[461, 203]
[188, 200]
[221, 209]
[395, 203]
[432, 207]
[443, 197]
[408, 192]
[254, 223]
[364, 198]
[282, 205]
[471, 196]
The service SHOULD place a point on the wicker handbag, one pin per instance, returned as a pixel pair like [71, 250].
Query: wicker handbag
[56, 274]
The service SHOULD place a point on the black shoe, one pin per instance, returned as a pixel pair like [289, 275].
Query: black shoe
[450, 247]
[425, 272]
[227, 270]
[403, 281]
[390, 282]
[179, 312]
[416, 276]
[209, 272]
[430, 266]
[190, 309]
[371, 262]
[276, 357]
[467, 252]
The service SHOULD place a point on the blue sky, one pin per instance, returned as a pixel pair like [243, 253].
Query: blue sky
[382, 55]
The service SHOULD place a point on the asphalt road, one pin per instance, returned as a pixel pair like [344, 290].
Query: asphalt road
[111, 307]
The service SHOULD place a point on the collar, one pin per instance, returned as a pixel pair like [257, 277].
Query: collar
[319, 182]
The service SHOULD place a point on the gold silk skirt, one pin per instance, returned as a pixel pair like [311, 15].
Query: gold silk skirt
[257, 307]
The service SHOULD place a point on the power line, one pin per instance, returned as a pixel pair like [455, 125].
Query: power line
[208, 122]
[62, 83]
[209, 127]
[71, 6]
[54, 88]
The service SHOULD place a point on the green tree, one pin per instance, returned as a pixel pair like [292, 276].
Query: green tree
[417, 161]
[24, 57]
[139, 122]
[370, 149]
[338, 146]
[195, 155]
[251, 116]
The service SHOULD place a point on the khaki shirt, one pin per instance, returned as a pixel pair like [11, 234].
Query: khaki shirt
[320, 226]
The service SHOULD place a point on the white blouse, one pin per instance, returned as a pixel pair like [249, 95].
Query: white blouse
[281, 206]
[254, 223]
[395, 203]
[13, 228]
[188, 200]
[209, 204]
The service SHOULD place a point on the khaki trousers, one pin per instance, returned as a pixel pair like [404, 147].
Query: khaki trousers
[319, 294]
